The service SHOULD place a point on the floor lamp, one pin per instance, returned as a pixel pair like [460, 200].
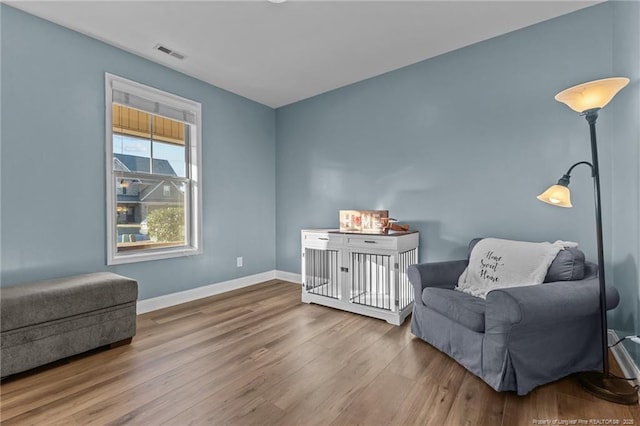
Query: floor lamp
[587, 99]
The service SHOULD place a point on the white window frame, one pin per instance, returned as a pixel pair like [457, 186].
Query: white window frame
[193, 201]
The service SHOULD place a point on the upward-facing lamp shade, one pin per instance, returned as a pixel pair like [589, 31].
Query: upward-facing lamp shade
[592, 95]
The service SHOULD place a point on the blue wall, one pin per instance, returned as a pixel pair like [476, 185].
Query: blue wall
[53, 190]
[626, 172]
[457, 146]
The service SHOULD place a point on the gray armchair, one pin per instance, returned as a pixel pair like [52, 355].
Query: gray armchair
[519, 337]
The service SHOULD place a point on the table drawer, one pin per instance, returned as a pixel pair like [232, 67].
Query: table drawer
[321, 239]
[372, 242]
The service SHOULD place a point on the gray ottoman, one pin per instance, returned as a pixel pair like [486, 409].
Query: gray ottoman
[49, 320]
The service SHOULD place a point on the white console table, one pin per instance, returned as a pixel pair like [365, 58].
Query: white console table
[360, 273]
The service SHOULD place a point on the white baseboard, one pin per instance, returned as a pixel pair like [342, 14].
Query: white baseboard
[289, 276]
[620, 353]
[167, 300]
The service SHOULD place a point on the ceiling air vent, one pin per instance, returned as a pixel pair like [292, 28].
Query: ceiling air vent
[168, 51]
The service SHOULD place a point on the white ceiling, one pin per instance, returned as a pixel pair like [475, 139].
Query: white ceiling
[277, 54]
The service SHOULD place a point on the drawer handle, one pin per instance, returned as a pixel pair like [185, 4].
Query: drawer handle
[323, 238]
[369, 241]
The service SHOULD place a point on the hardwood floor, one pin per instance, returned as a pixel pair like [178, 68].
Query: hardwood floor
[260, 356]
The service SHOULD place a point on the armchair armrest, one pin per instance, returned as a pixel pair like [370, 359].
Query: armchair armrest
[550, 303]
[435, 274]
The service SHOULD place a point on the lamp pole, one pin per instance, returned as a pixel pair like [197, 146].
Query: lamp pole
[592, 116]
[604, 385]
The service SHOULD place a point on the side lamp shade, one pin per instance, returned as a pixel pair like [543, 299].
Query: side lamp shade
[557, 195]
[592, 95]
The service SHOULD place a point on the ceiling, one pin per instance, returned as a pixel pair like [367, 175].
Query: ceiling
[277, 54]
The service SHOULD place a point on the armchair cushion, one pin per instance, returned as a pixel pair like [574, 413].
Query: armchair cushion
[567, 266]
[460, 307]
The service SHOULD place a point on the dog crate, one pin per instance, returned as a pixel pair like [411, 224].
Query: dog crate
[365, 274]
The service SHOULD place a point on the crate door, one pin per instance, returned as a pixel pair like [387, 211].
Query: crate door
[405, 289]
[322, 272]
[372, 279]
[379, 279]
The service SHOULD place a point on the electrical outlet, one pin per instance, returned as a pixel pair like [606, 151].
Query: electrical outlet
[239, 262]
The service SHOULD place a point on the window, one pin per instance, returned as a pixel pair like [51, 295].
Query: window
[153, 173]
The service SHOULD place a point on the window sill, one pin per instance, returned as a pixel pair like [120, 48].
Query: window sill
[133, 257]
[148, 244]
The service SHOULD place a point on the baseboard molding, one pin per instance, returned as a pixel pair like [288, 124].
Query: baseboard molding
[620, 353]
[167, 300]
[289, 276]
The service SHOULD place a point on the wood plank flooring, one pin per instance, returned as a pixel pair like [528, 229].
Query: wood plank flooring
[260, 356]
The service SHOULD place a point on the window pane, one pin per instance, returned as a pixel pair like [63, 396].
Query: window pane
[150, 213]
[169, 159]
[136, 140]
[131, 154]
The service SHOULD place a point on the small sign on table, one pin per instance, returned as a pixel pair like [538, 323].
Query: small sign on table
[363, 221]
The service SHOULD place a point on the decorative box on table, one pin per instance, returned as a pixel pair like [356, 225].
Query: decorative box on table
[363, 221]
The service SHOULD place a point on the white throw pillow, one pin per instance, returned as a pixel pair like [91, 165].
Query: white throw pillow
[496, 263]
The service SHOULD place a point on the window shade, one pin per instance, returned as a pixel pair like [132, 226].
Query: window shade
[132, 122]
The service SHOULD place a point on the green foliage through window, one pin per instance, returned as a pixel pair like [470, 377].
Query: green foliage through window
[166, 224]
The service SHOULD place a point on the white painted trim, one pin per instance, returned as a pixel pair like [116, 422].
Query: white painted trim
[394, 318]
[167, 300]
[289, 276]
[194, 198]
[153, 94]
[620, 353]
